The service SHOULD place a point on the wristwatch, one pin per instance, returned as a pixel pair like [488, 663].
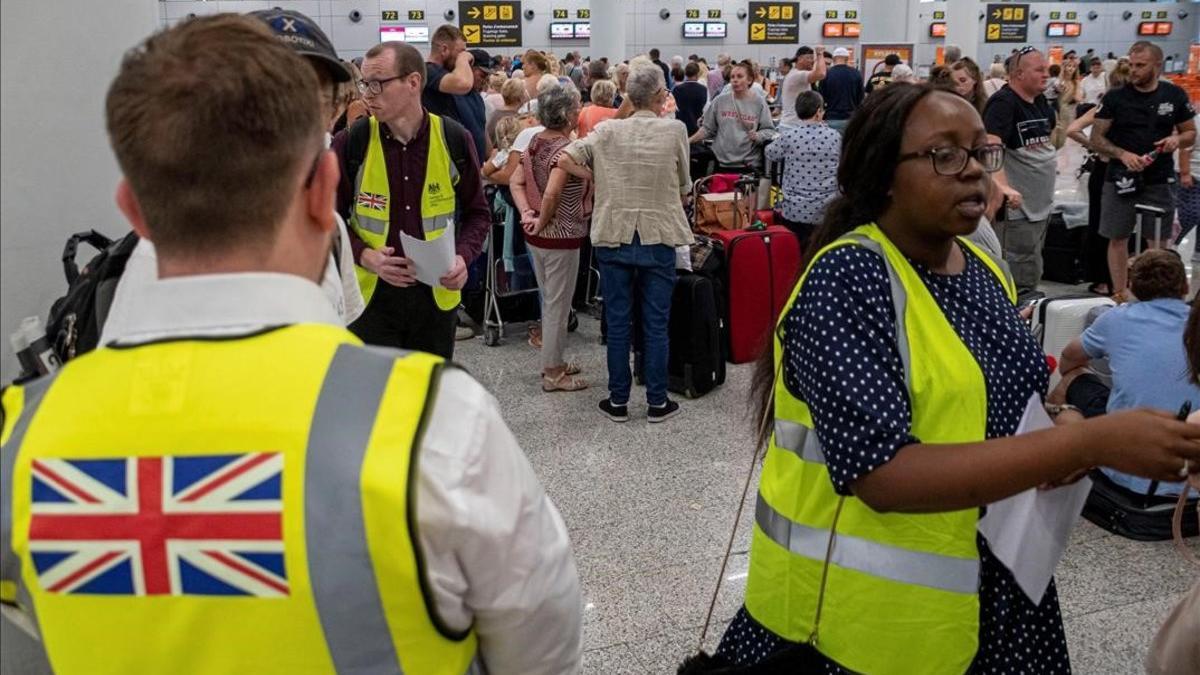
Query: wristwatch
[1054, 410]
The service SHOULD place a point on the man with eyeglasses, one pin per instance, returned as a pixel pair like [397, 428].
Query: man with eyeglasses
[241, 470]
[1019, 117]
[407, 170]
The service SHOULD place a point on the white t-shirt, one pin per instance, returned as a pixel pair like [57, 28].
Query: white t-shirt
[521, 144]
[1094, 87]
[795, 82]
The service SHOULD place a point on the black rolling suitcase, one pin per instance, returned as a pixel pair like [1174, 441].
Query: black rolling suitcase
[696, 344]
[1062, 252]
[696, 364]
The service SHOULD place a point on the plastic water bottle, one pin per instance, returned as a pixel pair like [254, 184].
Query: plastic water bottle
[33, 350]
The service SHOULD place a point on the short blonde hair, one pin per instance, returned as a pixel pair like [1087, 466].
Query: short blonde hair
[604, 91]
[507, 130]
[496, 81]
[513, 91]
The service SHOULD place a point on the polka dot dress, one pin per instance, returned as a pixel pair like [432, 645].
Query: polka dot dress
[841, 357]
[810, 153]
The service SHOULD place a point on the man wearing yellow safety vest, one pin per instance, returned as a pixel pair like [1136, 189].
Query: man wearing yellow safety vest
[236, 484]
[407, 170]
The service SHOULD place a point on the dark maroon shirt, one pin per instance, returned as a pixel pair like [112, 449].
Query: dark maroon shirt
[406, 175]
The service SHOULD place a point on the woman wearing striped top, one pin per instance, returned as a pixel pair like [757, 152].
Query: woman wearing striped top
[554, 215]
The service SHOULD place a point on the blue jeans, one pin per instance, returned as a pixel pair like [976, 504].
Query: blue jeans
[650, 272]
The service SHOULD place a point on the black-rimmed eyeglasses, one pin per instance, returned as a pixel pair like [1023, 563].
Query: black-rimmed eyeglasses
[375, 87]
[952, 160]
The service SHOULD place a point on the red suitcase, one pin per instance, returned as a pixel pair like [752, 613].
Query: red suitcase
[761, 267]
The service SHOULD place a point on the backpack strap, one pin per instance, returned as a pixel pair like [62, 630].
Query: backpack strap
[456, 139]
[358, 136]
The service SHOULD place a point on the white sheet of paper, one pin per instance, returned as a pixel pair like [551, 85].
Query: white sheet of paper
[1029, 531]
[431, 259]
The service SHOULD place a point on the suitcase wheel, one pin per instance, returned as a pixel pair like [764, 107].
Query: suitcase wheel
[491, 336]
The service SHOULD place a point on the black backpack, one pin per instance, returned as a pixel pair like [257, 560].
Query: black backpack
[77, 318]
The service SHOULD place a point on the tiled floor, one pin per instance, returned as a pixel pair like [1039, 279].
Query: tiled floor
[650, 509]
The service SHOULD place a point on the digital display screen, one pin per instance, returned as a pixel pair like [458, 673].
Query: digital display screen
[1163, 28]
[832, 30]
[1055, 30]
[404, 33]
[562, 31]
[851, 29]
[714, 29]
[937, 29]
[693, 29]
[1074, 29]
[583, 30]
[391, 34]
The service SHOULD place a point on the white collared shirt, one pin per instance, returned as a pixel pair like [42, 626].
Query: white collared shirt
[496, 550]
[340, 285]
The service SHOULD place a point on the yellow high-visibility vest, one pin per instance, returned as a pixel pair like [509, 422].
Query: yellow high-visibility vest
[225, 505]
[901, 591]
[370, 215]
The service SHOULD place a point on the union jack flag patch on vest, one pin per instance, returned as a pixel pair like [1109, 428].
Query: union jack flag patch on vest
[207, 525]
[373, 201]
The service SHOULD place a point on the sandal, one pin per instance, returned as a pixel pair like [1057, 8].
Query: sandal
[563, 382]
[573, 369]
[535, 336]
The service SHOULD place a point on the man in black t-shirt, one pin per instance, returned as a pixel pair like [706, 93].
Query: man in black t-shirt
[690, 98]
[1141, 124]
[1019, 117]
[447, 72]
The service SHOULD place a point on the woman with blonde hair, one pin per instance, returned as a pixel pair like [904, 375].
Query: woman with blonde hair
[512, 97]
[600, 109]
[495, 96]
[349, 104]
[1068, 95]
[534, 64]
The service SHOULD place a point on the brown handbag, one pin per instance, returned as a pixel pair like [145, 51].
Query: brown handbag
[722, 211]
[1176, 648]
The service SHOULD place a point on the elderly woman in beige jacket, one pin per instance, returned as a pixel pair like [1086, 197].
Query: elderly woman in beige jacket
[640, 169]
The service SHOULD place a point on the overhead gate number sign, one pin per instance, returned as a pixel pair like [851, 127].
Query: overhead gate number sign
[490, 24]
[774, 22]
[1007, 23]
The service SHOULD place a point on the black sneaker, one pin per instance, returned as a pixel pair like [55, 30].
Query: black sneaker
[616, 413]
[662, 413]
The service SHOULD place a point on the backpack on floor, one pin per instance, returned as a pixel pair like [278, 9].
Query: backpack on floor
[1141, 517]
[77, 318]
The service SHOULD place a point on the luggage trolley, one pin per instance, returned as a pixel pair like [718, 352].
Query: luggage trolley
[505, 278]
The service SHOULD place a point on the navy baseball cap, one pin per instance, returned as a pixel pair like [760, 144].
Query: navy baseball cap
[482, 60]
[306, 37]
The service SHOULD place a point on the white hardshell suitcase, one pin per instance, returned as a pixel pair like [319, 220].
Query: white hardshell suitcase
[1057, 321]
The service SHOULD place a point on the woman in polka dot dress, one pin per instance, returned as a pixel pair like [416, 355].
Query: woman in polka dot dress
[915, 163]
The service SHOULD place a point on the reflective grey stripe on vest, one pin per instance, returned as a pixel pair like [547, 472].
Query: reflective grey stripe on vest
[957, 575]
[436, 223]
[899, 303]
[797, 439]
[343, 578]
[10, 564]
